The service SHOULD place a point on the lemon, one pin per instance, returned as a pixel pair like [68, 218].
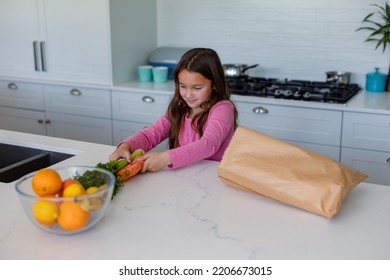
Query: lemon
[74, 190]
[46, 212]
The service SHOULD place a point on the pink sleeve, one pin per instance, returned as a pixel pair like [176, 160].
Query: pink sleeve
[150, 136]
[218, 131]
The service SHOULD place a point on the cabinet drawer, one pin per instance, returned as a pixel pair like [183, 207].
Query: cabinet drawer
[366, 131]
[21, 95]
[137, 106]
[78, 100]
[292, 123]
[29, 121]
[375, 164]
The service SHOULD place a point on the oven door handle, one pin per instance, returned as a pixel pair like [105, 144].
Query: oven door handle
[260, 110]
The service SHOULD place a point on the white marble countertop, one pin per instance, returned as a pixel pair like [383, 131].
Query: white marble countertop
[189, 213]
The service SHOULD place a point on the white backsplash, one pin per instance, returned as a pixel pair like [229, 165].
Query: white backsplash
[294, 39]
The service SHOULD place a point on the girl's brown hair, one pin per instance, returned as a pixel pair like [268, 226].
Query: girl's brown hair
[207, 63]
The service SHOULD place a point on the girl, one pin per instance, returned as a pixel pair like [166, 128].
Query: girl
[200, 120]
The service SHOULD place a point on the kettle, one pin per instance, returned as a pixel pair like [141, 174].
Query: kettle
[376, 82]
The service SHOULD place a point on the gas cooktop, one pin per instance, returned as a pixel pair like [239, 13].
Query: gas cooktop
[293, 89]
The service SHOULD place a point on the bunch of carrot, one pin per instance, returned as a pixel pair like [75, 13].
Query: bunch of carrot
[130, 170]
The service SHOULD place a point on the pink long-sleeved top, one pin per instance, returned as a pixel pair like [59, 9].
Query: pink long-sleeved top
[218, 131]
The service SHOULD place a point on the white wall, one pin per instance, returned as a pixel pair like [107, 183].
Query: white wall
[294, 39]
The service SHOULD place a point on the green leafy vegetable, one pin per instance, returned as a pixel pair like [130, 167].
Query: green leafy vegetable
[90, 178]
[114, 166]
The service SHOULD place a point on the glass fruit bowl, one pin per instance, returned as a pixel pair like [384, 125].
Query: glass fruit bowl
[66, 200]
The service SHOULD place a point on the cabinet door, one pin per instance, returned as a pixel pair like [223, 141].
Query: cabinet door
[123, 129]
[71, 40]
[366, 131]
[22, 120]
[375, 164]
[19, 28]
[90, 129]
[77, 42]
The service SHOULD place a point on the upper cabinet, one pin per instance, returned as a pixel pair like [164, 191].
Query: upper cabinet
[88, 41]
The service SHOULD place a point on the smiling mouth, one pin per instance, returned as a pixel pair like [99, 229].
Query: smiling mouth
[191, 100]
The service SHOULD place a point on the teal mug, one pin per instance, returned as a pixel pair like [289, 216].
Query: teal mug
[145, 73]
[160, 74]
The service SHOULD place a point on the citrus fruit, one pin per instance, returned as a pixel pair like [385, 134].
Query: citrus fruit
[45, 212]
[72, 216]
[46, 182]
[66, 183]
[91, 189]
[92, 203]
[74, 189]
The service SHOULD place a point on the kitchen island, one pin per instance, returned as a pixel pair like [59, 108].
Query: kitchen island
[189, 213]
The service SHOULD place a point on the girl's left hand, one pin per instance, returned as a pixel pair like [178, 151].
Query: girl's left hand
[155, 161]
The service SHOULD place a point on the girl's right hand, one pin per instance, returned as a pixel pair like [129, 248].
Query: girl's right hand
[123, 151]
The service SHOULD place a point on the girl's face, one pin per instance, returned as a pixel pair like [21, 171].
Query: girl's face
[194, 89]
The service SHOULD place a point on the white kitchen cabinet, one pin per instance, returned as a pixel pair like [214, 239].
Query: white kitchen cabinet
[79, 113]
[66, 111]
[123, 129]
[77, 127]
[317, 130]
[366, 145]
[132, 111]
[139, 106]
[86, 101]
[22, 107]
[89, 41]
[21, 95]
[22, 120]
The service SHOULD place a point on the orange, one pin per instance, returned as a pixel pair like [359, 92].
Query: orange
[46, 212]
[73, 190]
[72, 216]
[46, 182]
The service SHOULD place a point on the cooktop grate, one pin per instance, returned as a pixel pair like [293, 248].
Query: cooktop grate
[293, 89]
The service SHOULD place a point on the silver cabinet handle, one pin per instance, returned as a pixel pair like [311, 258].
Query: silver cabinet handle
[43, 56]
[44, 121]
[75, 92]
[12, 86]
[148, 99]
[260, 110]
[36, 56]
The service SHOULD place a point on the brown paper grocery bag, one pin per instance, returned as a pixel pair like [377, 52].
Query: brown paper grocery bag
[287, 173]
